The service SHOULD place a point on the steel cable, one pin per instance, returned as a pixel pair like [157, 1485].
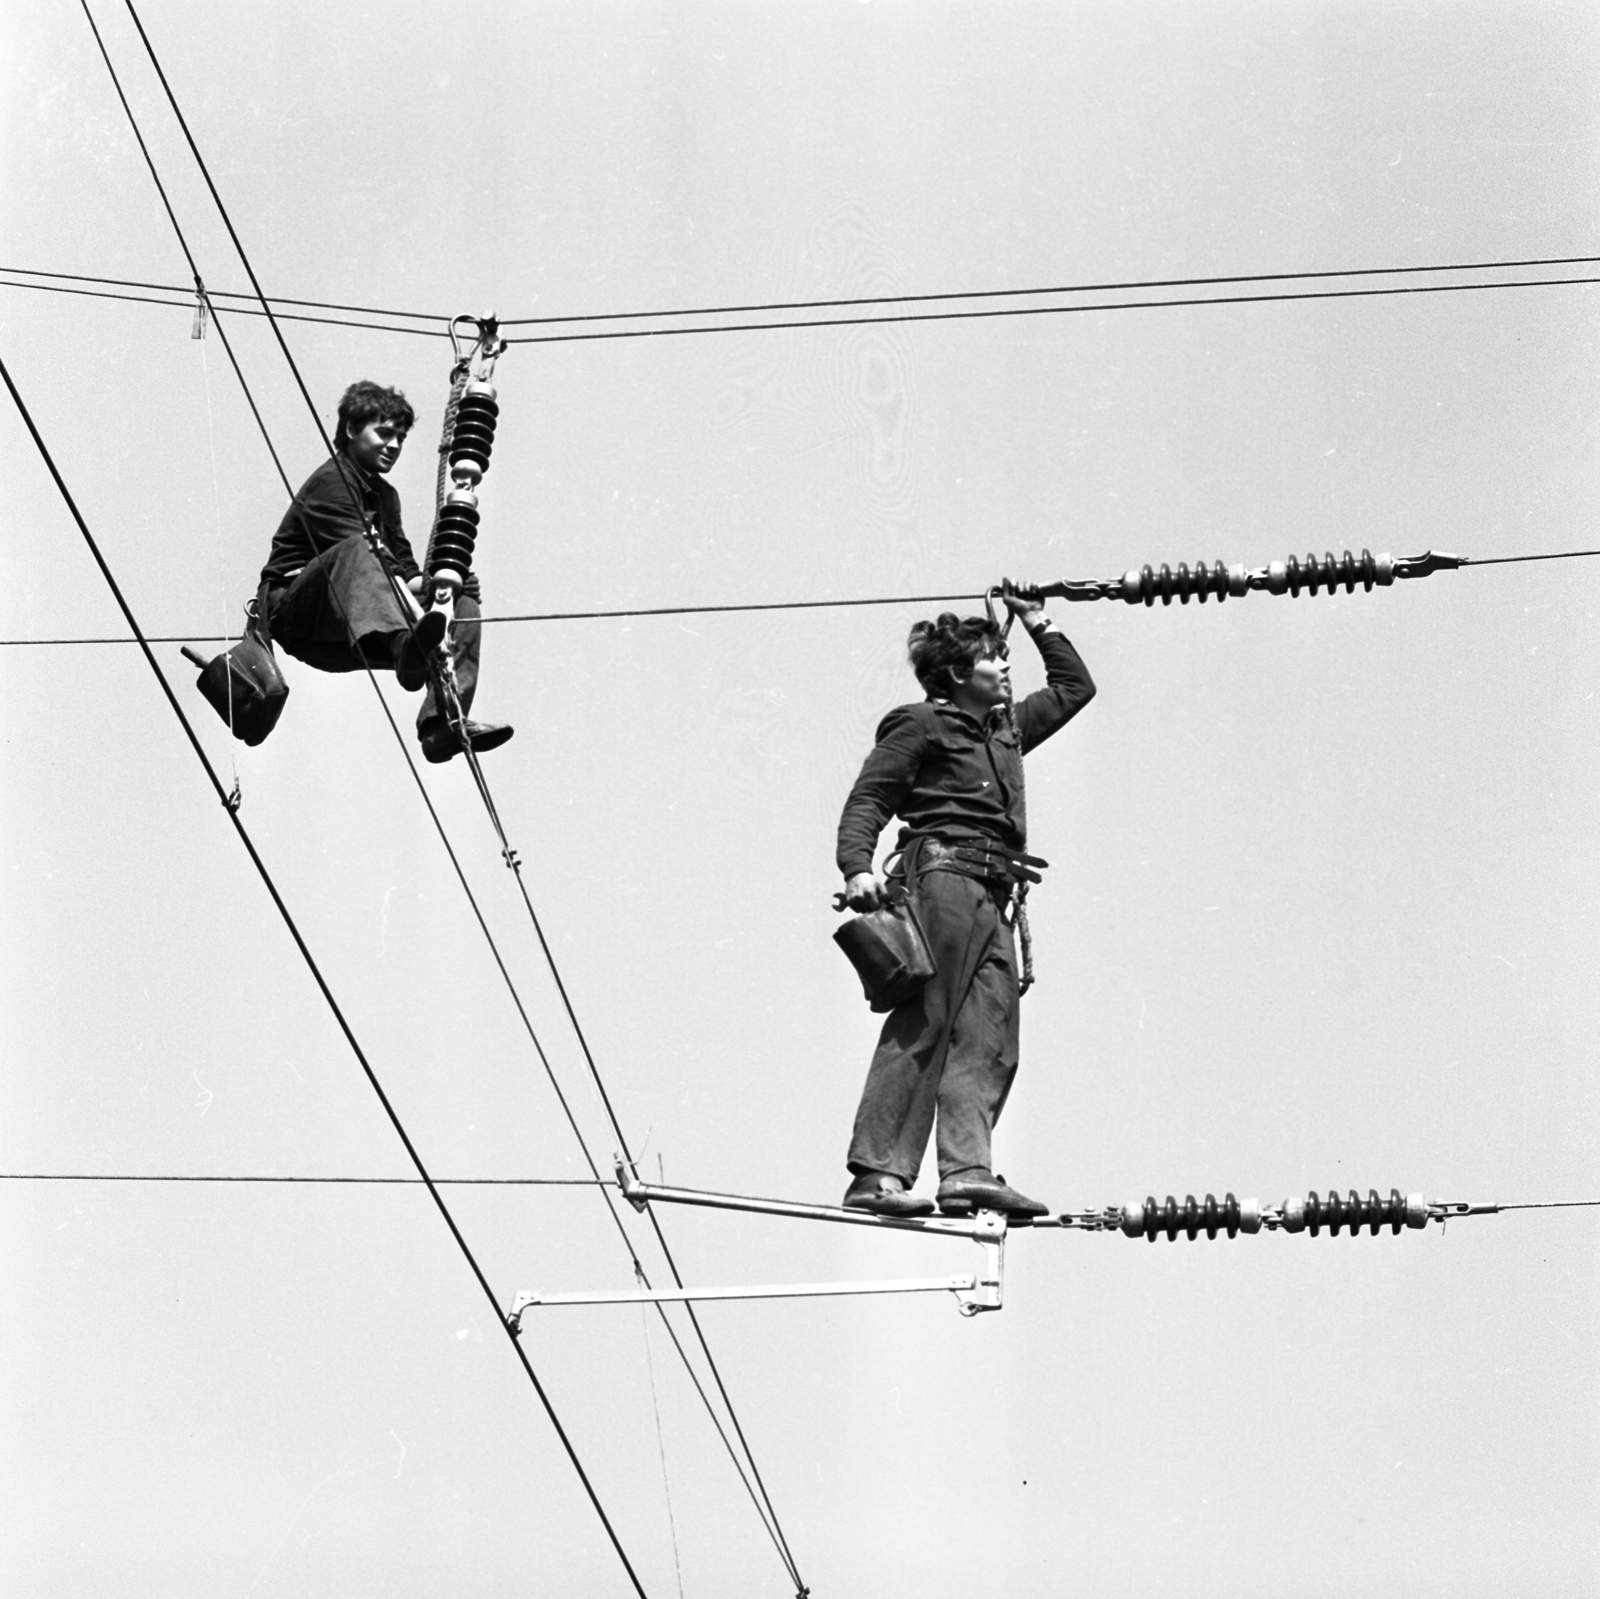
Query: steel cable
[757, 308]
[770, 1514]
[749, 606]
[316, 973]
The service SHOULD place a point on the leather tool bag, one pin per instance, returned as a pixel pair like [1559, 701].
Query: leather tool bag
[889, 952]
[244, 684]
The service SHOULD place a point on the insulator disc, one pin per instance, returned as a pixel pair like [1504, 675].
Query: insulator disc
[454, 533]
[448, 551]
[459, 513]
[472, 433]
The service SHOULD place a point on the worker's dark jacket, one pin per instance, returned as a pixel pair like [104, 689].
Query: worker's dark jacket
[338, 499]
[942, 773]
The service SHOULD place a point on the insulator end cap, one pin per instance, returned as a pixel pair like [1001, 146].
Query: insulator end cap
[1132, 1223]
[1416, 1211]
[1249, 1215]
[1294, 1215]
[462, 496]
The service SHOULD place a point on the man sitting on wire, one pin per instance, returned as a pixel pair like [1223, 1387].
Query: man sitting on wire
[331, 604]
[951, 769]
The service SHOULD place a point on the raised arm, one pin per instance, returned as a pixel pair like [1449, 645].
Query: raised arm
[1067, 684]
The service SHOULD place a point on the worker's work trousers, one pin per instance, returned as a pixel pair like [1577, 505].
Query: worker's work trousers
[912, 1075]
[344, 596]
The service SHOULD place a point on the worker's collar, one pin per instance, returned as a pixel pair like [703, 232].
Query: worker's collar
[950, 708]
[353, 470]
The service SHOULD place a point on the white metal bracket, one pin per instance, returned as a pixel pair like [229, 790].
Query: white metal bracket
[983, 1290]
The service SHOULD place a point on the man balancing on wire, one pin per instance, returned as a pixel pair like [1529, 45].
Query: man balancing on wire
[951, 769]
[331, 604]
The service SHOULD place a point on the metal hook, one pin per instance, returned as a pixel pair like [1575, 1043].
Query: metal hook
[455, 338]
[1003, 628]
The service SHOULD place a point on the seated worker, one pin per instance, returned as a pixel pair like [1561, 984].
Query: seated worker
[951, 770]
[329, 602]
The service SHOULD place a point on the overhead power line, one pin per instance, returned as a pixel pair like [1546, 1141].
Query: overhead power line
[577, 1182]
[1045, 310]
[763, 1504]
[625, 613]
[1060, 288]
[316, 973]
[222, 294]
[362, 316]
[238, 310]
[327, 993]
[231, 1177]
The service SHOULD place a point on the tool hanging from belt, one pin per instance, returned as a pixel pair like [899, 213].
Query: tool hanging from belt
[990, 862]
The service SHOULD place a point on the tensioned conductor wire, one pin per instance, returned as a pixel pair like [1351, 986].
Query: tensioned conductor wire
[737, 608]
[316, 973]
[764, 1504]
[548, 1182]
[232, 807]
[788, 325]
[753, 309]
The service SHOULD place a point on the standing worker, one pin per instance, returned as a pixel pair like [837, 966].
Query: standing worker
[951, 769]
[331, 604]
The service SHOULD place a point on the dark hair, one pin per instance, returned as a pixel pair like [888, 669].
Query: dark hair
[943, 652]
[365, 402]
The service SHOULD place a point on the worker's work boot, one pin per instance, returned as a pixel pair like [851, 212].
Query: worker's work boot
[440, 741]
[413, 646]
[960, 1196]
[884, 1195]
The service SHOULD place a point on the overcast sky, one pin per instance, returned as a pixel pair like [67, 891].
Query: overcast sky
[1324, 897]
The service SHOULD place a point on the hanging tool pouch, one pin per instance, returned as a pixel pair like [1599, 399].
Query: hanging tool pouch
[889, 951]
[244, 684]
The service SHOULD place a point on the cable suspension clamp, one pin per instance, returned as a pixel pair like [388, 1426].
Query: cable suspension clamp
[1144, 585]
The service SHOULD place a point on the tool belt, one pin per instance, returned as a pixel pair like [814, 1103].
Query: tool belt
[1007, 873]
[986, 859]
